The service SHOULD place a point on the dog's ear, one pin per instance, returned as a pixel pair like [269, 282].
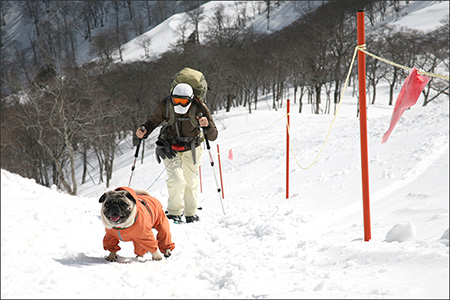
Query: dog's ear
[129, 196]
[102, 198]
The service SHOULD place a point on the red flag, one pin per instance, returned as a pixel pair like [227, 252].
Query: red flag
[230, 155]
[408, 96]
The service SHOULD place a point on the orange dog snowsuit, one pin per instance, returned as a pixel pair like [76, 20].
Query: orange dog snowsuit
[149, 215]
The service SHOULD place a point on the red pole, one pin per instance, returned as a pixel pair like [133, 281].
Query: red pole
[363, 126]
[220, 171]
[287, 147]
[200, 175]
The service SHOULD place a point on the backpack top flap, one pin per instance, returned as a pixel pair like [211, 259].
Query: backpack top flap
[194, 78]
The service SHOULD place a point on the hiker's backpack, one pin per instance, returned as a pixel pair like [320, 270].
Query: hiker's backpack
[194, 78]
[198, 83]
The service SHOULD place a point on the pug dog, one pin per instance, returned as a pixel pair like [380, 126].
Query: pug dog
[130, 215]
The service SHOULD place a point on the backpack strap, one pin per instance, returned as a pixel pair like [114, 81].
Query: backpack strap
[170, 112]
[171, 116]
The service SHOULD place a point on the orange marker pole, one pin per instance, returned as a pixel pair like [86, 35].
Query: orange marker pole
[220, 172]
[363, 125]
[287, 147]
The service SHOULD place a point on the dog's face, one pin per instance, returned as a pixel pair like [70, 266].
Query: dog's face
[118, 208]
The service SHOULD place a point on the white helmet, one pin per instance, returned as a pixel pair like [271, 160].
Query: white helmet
[182, 90]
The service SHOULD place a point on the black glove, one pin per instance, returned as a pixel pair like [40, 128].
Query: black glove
[164, 150]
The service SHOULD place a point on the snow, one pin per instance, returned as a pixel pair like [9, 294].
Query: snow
[422, 16]
[402, 232]
[310, 245]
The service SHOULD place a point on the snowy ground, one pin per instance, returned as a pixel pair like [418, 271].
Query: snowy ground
[308, 246]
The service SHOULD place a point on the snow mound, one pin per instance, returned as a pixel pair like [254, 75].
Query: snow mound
[402, 232]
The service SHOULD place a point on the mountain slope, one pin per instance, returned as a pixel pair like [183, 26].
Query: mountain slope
[308, 246]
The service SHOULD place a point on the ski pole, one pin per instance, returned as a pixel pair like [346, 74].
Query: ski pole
[212, 163]
[142, 128]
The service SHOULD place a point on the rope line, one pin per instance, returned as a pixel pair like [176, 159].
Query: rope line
[362, 49]
[335, 115]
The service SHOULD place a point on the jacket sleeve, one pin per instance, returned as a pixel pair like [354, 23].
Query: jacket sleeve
[111, 243]
[211, 130]
[157, 116]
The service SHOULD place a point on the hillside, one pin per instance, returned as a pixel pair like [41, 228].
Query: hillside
[165, 34]
[265, 246]
[18, 29]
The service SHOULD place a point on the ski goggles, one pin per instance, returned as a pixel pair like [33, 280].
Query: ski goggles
[181, 100]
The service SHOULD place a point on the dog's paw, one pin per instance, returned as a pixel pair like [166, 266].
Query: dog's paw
[140, 257]
[112, 257]
[156, 255]
[167, 253]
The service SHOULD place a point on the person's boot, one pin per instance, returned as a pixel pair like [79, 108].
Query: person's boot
[190, 219]
[176, 219]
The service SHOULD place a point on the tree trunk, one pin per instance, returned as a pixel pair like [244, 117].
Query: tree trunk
[274, 104]
[318, 88]
[256, 98]
[83, 177]
[229, 102]
[391, 87]
[300, 99]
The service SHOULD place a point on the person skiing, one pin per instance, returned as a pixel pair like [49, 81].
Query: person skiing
[179, 145]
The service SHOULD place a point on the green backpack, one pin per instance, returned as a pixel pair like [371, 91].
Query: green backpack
[194, 78]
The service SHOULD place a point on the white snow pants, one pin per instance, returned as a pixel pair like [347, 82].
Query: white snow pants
[183, 182]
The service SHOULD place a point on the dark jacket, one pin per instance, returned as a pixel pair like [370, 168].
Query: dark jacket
[185, 126]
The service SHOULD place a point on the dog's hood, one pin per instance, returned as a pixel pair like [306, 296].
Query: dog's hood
[129, 190]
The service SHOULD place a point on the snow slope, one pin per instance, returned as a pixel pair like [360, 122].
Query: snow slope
[265, 246]
[421, 15]
[166, 34]
[308, 246]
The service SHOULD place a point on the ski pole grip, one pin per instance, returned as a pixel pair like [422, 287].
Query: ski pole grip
[141, 128]
[200, 114]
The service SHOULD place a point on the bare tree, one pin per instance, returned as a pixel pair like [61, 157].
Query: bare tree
[399, 45]
[196, 16]
[147, 7]
[103, 45]
[435, 52]
[56, 119]
[159, 11]
[120, 34]
[33, 11]
[268, 11]
[145, 42]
